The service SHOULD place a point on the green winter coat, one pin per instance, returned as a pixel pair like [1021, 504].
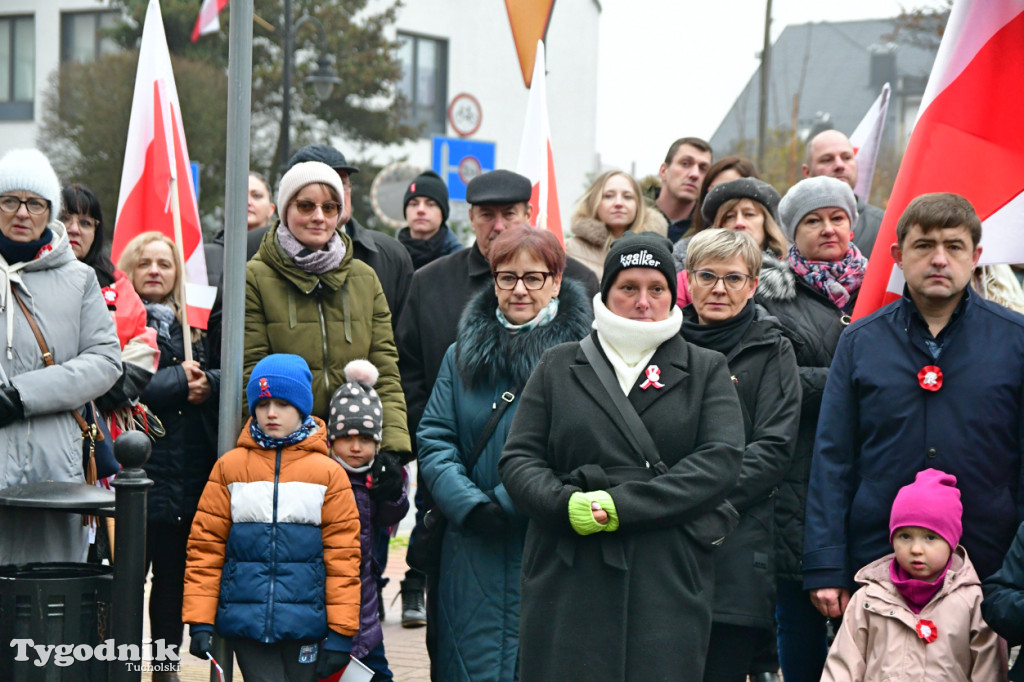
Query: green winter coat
[348, 319]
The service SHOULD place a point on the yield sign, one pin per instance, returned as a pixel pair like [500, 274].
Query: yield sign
[529, 20]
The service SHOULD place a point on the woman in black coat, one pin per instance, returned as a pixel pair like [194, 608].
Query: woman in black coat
[617, 567]
[812, 292]
[722, 266]
[184, 395]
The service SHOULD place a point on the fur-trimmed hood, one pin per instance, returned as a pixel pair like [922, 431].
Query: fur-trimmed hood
[487, 353]
[777, 281]
[594, 232]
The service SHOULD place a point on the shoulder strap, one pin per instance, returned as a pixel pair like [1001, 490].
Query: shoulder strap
[641, 437]
[497, 409]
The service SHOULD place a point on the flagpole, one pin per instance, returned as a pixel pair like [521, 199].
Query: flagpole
[178, 241]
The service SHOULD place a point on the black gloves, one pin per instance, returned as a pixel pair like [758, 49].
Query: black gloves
[385, 480]
[329, 662]
[202, 644]
[486, 519]
[11, 409]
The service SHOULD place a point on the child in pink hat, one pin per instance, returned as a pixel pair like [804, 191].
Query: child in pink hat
[918, 614]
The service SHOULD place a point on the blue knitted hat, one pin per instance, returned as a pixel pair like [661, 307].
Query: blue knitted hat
[282, 376]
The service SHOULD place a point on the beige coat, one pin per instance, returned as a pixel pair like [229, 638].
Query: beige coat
[878, 639]
[591, 239]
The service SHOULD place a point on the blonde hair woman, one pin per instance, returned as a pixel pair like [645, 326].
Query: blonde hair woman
[612, 206]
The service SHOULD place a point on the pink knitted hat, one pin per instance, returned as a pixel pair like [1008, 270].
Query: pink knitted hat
[932, 501]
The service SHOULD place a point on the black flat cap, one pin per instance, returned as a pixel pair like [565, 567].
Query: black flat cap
[740, 188]
[498, 187]
[324, 153]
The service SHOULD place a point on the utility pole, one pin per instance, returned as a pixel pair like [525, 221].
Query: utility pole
[762, 97]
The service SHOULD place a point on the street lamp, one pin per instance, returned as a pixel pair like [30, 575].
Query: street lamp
[323, 79]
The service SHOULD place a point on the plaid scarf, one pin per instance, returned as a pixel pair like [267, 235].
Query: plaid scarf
[838, 280]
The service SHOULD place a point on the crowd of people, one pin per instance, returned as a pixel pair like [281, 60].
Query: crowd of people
[660, 452]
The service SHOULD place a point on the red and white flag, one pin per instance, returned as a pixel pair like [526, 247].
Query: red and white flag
[208, 20]
[155, 157]
[535, 159]
[968, 139]
[867, 140]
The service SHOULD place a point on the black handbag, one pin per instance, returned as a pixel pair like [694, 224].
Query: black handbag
[708, 530]
[424, 553]
[103, 447]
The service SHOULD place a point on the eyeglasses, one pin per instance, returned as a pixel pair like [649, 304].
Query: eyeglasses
[84, 222]
[507, 281]
[11, 204]
[734, 281]
[330, 208]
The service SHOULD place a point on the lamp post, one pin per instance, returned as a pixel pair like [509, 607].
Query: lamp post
[323, 79]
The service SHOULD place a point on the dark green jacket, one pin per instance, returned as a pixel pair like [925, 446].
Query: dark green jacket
[327, 319]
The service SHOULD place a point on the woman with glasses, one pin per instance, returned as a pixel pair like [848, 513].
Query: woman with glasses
[723, 268]
[621, 454]
[812, 291]
[502, 334]
[40, 439]
[306, 294]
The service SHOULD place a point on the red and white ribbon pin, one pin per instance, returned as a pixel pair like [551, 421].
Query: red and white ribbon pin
[653, 374]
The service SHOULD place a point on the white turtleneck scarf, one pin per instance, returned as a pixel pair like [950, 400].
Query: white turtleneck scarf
[630, 344]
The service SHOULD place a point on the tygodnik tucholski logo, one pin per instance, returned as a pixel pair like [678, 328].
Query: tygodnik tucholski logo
[150, 657]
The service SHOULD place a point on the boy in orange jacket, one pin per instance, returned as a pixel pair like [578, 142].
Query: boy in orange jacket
[274, 554]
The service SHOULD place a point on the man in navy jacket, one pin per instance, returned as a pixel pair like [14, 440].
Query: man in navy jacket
[934, 380]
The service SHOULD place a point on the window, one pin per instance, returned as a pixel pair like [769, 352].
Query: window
[424, 81]
[82, 35]
[17, 67]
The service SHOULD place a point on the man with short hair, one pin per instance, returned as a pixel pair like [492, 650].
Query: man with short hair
[498, 200]
[830, 153]
[427, 236]
[682, 173]
[934, 380]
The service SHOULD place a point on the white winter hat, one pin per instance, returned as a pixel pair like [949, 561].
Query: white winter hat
[29, 170]
[302, 174]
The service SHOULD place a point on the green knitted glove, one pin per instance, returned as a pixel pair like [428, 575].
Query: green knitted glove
[581, 516]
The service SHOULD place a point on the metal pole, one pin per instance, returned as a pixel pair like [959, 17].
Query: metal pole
[236, 191]
[286, 93]
[131, 486]
[762, 99]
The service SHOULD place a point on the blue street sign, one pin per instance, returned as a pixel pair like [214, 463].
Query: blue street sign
[458, 161]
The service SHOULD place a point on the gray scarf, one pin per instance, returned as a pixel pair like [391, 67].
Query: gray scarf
[313, 262]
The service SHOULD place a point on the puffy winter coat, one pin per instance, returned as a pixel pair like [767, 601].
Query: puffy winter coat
[633, 605]
[140, 355]
[182, 459]
[372, 515]
[65, 300]
[328, 320]
[882, 640]
[813, 324]
[764, 371]
[591, 239]
[274, 549]
[478, 593]
[1003, 607]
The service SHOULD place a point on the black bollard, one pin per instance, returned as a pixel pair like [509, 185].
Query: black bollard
[132, 450]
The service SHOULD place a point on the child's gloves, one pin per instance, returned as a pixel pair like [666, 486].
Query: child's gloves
[385, 480]
[335, 653]
[486, 519]
[202, 641]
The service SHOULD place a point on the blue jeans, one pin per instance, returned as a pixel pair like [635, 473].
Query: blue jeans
[803, 639]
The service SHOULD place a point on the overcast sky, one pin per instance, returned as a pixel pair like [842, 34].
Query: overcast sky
[671, 68]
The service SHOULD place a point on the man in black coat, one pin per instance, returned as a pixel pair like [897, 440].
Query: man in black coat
[440, 290]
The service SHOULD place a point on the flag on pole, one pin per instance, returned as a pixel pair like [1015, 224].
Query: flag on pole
[535, 159]
[208, 20]
[867, 140]
[968, 140]
[156, 157]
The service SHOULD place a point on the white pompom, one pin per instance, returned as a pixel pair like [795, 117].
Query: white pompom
[362, 372]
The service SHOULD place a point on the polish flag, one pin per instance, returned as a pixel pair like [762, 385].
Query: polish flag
[968, 139]
[208, 21]
[867, 140]
[156, 164]
[535, 159]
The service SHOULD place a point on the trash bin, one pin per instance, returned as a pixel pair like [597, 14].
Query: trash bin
[54, 604]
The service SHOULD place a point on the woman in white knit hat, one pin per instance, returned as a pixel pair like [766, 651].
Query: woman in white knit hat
[40, 439]
[306, 294]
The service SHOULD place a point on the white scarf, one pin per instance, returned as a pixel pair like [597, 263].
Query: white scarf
[630, 344]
